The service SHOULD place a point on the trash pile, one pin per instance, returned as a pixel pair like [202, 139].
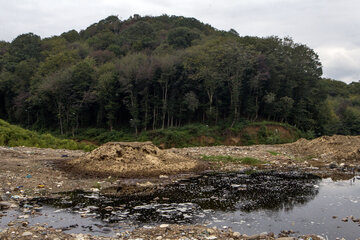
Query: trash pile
[133, 159]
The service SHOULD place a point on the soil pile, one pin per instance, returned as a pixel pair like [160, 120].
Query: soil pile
[336, 147]
[133, 159]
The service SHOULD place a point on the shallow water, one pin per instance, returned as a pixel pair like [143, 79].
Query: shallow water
[261, 202]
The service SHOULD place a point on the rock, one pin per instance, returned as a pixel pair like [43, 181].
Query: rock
[106, 229]
[163, 176]
[286, 238]
[159, 238]
[11, 224]
[108, 208]
[332, 165]
[263, 234]
[345, 219]
[253, 237]
[147, 184]
[26, 234]
[4, 205]
[212, 237]
[164, 225]
[236, 234]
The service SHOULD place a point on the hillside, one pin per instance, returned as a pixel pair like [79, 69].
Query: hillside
[12, 136]
[160, 72]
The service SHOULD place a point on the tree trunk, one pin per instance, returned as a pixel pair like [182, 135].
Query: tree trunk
[60, 118]
[154, 118]
[165, 90]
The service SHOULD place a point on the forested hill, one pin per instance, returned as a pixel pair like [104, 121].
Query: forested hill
[158, 72]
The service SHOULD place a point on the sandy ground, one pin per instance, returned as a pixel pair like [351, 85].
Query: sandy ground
[27, 172]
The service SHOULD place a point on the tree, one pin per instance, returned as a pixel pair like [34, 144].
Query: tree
[182, 37]
[24, 47]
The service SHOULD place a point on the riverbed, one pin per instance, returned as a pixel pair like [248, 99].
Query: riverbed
[292, 202]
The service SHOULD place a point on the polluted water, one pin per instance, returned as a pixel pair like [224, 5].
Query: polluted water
[294, 202]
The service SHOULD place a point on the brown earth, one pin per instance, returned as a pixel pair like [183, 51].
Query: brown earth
[134, 159]
[238, 139]
[327, 148]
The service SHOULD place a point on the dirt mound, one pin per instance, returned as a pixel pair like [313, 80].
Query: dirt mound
[336, 147]
[133, 159]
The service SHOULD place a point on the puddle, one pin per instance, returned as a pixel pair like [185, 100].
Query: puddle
[261, 202]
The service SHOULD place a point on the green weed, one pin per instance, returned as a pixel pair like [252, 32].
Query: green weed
[244, 160]
[273, 153]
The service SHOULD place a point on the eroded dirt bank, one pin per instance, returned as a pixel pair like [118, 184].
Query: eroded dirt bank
[28, 172]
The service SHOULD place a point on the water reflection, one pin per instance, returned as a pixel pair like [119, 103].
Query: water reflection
[196, 199]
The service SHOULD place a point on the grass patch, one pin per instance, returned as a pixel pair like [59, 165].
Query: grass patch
[273, 153]
[244, 160]
[13, 136]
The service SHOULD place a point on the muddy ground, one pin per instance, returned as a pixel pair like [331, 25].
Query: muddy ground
[30, 172]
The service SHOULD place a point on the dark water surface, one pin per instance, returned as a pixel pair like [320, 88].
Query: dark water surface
[260, 202]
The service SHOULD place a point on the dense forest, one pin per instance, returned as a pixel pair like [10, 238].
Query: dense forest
[157, 72]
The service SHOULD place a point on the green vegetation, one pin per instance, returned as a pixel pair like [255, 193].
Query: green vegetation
[343, 102]
[195, 135]
[273, 153]
[12, 136]
[166, 73]
[226, 159]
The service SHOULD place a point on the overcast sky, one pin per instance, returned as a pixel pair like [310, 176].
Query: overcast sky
[331, 27]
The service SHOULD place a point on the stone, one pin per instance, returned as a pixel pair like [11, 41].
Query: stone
[4, 205]
[263, 234]
[332, 165]
[11, 224]
[236, 234]
[147, 184]
[26, 234]
[108, 208]
[253, 237]
[164, 225]
[212, 237]
[286, 238]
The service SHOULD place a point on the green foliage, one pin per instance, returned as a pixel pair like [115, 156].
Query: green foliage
[12, 136]
[182, 37]
[165, 72]
[25, 46]
[244, 160]
[273, 153]
[186, 136]
[71, 36]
